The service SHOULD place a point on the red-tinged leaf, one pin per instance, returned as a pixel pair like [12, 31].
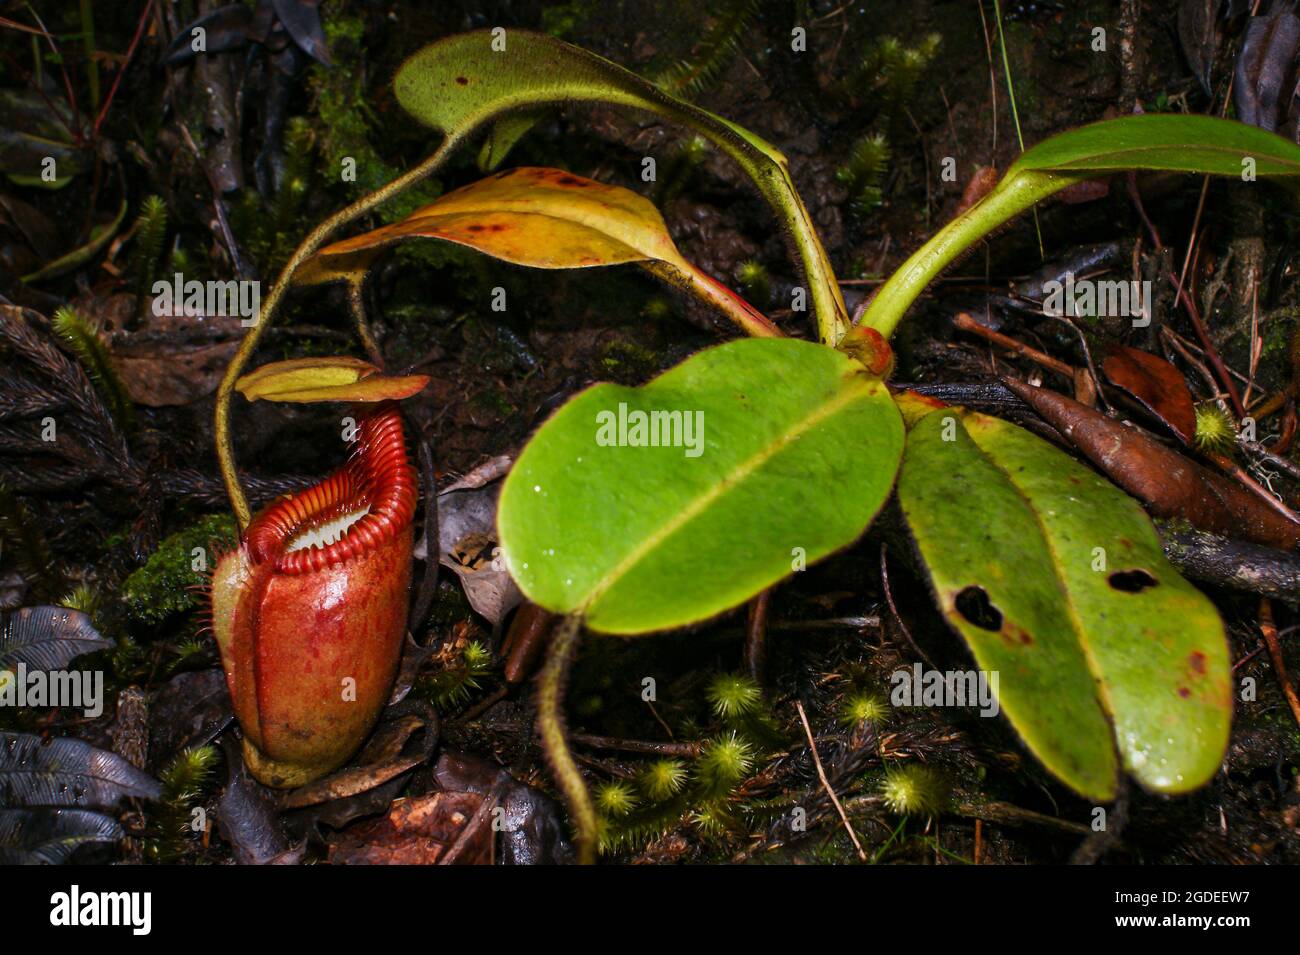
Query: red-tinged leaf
[1156, 385]
[1170, 484]
[550, 219]
[330, 378]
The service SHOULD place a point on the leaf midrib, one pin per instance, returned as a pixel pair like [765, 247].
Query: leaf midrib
[1094, 668]
[859, 388]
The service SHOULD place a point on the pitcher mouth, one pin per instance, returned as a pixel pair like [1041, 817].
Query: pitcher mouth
[355, 510]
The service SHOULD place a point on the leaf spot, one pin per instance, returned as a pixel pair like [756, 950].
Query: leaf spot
[1131, 581]
[974, 605]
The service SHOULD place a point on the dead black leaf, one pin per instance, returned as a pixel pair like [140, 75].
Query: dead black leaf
[1199, 34]
[36, 771]
[46, 638]
[382, 760]
[1265, 68]
[246, 814]
[531, 827]
[30, 837]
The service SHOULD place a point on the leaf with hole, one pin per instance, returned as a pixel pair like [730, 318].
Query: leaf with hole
[331, 378]
[1105, 656]
[655, 507]
[552, 219]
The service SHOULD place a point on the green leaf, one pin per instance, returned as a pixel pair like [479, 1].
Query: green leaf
[796, 454]
[327, 378]
[1159, 141]
[463, 82]
[1171, 141]
[1091, 658]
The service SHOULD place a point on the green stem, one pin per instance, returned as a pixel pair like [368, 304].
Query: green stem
[828, 303]
[1011, 197]
[551, 683]
[314, 240]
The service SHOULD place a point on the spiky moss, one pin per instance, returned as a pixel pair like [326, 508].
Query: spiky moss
[615, 798]
[453, 687]
[862, 708]
[664, 778]
[150, 233]
[733, 695]
[169, 831]
[1215, 431]
[913, 790]
[83, 597]
[724, 761]
[682, 163]
[738, 701]
[168, 581]
[755, 282]
[714, 51]
[629, 362]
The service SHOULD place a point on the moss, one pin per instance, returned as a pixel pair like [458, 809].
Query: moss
[341, 102]
[629, 362]
[166, 584]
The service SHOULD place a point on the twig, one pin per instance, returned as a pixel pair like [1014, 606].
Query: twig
[223, 223]
[821, 774]
[1269, 630]
[889, 599]
[755, 636]
[687, 750]
[130, 52]
[964, 322]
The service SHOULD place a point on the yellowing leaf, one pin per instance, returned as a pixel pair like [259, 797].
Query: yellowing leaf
[332, 378]
[552, 219]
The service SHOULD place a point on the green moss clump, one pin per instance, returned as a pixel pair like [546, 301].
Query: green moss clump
[166, 584]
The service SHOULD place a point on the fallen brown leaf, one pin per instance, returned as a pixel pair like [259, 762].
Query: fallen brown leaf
[1156, 385]
[1170, 484]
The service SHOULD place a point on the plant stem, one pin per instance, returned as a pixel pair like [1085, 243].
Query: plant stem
[357, 304]
[1011, 197]
[88, 44]
[314, 240]
[551, 683]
